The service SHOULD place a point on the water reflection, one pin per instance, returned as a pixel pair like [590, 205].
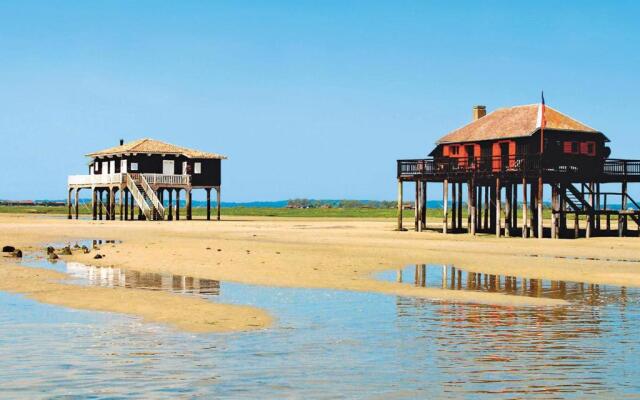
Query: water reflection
[450, 277]
[117, 277]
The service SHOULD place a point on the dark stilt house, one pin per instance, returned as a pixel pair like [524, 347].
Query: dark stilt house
[512, 150]
[142, 177]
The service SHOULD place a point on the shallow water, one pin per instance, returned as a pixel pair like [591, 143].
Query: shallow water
[325, 344]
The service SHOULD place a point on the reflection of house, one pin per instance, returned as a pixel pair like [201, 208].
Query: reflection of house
[523, 148]
[139, 173]
[116, 277]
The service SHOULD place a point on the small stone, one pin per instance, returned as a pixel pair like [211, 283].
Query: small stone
[65, 251]
[208, 248]
[219, 249]
[17, 253]
[85, 250]
[97, 256]
[50, 249]
[76, 246]
[8, 249]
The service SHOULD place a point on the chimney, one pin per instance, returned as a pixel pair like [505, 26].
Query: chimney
[479, 112]
[121, 142]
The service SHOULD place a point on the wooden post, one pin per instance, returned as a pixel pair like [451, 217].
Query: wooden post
[576, 226]
[170, 205]
[554, 210]
[113, 203]
[121, 199]
[473, 209]
[469, 203]
[77, 203]
[460, 205]
[218, 204]
[590, 219]
[399, 205]
[125, 193]
[507, 210]
[100, 204]
[133, 207]
[69, 190]
[608, 217]
[514, 207]
[208, 190]
[424, 205]
[533, 209]
[622, 218]
[107, 206]
[487, 201]
[497, 201]
[477, 206]
[454, 206]
[189, 197]
[177, 204]
[525, 225]
[416, 208]
[94, 203]
[445, 205]
[540, 217]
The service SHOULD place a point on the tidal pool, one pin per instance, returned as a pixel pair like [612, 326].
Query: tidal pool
[325, 344]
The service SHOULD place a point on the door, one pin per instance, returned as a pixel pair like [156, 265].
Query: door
[469, 150]
[168, 167]
[504, 156]
[112, 166]
[104, 168]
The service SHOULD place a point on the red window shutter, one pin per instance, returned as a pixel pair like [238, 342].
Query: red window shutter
[476, 150]
[567, 147]
[496, 156]
[583, 148]
[445, 150]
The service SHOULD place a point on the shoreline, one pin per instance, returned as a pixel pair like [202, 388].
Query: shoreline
[341, 254]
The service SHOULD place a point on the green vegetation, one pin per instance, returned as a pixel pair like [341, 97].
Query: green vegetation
[333, 212]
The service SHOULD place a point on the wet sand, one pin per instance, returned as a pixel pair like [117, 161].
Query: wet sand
[328, 253]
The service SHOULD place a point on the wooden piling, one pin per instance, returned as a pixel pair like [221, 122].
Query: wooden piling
[445, 205]
[540, 215]
[454, 206]
[94, 204]
[525, 225]
[399, 212]
[177, 204]
[507, 210]
[208, 190]
[498, 201]
[69, 203]
[189, 201]
[423, 209]
[460, 205]
[77, 203]
[218, 204]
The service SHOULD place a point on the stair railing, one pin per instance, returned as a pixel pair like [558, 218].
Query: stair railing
[139, 197]
[157, 204]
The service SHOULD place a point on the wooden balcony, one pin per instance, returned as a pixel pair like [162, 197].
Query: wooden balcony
[154, 180]
[515, 167]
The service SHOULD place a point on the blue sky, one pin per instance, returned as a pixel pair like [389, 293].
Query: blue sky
[308, 99]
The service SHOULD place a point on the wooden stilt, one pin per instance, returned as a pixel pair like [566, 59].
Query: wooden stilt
[477, 206]
[219, 205]
[554, 212]
[77, 203]
[454, 206]
[525, 225]
[507, 209]
[445, 205]
[399, 212]
[69, 205]
[608, 217]
[474, 207]
[177, 204]
[576, 226]
[107, 206]
[121, 203]
[540, 215]
[514, 207]
[533, 209]
[416, 208]
[459, 205]
[132, 203]
[189, 201]
[208, 190]
[125, 193]
[100, 205]
[170, 205]
[624, 206]
[486, 206]
[469, 204]
[423, 209]
[94, 204]
[498, 201]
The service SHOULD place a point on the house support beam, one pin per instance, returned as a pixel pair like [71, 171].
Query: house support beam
[507, 209]
[454, 206]
[399, 212]
[170, 204]
[525, 225]
[189, 197]
[445, 205]
[177, 204]
[77, 203]
[218, 202]
[208, 190]
[459, 205]
[121, 203]
[94, 204]
[540, 217]
[498, 212]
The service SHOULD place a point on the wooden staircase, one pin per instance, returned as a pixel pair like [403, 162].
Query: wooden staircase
[145, 197]
[576, 199]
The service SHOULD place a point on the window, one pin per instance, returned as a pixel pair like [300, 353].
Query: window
[134, 166]
[455, 150]
[197, 168]
[575, 148]
[590, 148]
[123, 166]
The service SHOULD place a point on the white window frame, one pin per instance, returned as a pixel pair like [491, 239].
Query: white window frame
[123, 166]
[184, 168]
[197, 168]
[133, 166]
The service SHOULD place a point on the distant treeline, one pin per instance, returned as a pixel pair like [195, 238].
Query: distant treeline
[310, 203]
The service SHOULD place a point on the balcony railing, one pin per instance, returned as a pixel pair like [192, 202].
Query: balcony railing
[116, 179]
[521, 164]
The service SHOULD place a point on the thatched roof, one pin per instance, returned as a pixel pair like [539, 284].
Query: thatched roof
[151, 146]
[519, 121]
